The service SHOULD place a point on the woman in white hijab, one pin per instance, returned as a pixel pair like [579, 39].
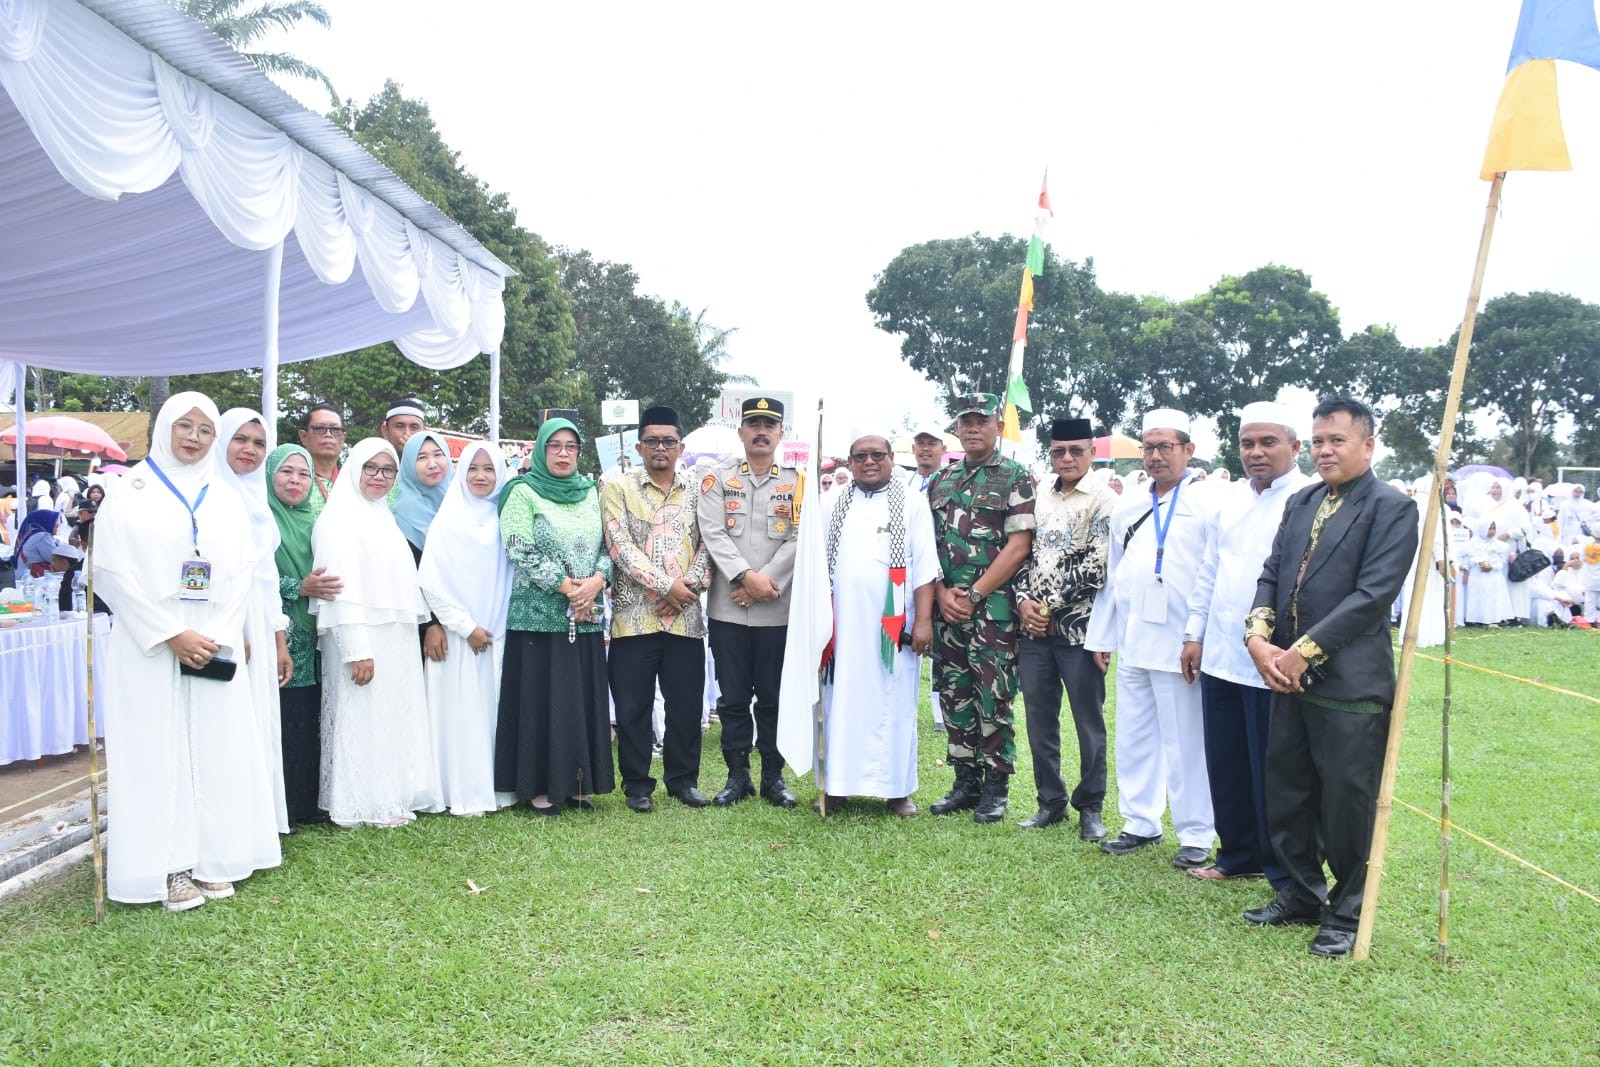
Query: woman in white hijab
[466, 579]
[377, 763]
[244, 440]
[1431, 623]
[1511, 526]
[1490, 603]
[191, 802]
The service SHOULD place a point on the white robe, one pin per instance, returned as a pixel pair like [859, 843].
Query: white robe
[377, 757]
[190, 790]
[871, 713]
[1490, 602]
[1431, 624]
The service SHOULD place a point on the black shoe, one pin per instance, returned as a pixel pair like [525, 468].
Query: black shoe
[1125, 843]
[547, 810]
[1284, 910]
[580, 803]
[1191, 856]
[776, 793]
[1333, 942]
[739, 786]
[1044, 817]
[992, 798]
[689, 797]
[641, 804]
[1090, 828]
[963, 794]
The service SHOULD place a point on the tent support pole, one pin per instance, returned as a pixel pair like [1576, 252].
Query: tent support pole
[269, 354]
[494, 394]
[21, 384]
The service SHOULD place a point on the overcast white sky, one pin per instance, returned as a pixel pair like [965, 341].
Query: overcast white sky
[765, 161]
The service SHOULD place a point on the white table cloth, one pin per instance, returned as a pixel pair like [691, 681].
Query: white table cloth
[44, 686]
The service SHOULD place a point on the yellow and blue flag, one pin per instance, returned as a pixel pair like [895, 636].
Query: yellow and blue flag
[1526, 133]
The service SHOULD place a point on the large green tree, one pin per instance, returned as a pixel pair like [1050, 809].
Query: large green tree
[633, 346]
[1406, 386]
[953, 303]
[536, 348]
[1535, 358]
[1271, 329]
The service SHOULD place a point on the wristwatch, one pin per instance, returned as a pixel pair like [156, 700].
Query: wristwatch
[975, 596]
[738, 579]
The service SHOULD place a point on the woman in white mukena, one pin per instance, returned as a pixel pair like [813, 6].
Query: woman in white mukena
[191, 802]
[377, 764]
[466, 579]
[243, 441]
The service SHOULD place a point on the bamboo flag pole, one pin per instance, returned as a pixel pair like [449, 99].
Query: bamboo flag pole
[1444, 761]
[1408, 645]
[94, 748]
[819, 738]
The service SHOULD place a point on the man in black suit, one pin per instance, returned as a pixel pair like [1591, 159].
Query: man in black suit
[1319, 636]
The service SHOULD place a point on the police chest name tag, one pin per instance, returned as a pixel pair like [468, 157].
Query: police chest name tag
[194, 582]
[1153, 604]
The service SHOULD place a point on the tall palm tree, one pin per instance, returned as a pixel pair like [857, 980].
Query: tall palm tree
[240, 29]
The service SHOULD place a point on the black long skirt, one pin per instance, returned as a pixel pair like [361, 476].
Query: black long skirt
[554, 733]
[300, 721]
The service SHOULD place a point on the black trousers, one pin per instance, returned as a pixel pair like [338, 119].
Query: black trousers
[749, 663]
[1323, 768]
[1236, 719]
[1045, 667]
[636, 663]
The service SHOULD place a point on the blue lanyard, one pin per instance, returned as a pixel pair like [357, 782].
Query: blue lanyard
[194, 524]
[1163, 527]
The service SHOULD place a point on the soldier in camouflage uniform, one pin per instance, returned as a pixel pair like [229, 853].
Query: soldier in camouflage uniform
[983, 520]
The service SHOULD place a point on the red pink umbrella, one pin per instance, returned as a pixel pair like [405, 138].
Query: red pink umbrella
[62, 434]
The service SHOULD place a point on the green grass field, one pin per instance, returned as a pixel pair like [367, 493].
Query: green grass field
[760, 936]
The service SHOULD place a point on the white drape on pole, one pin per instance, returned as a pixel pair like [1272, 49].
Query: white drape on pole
[494, 394]
[269, 353]
[16, 376]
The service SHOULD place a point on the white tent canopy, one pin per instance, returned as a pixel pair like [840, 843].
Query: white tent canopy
[166, 209]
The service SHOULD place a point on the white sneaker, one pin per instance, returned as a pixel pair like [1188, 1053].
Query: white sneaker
[213, 890]
[182, 894]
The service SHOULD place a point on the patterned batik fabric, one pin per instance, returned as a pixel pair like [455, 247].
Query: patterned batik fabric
[1067, 566]
[654, 539]
[547, 543]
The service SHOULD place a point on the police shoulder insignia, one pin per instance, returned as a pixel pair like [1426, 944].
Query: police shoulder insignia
[707, 482]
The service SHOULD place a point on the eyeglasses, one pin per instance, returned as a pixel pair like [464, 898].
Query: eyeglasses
[1165, 448]
[862, 457]
[559, 448]
[186, 427]
[1076, 452]
[325, 431]
[372, 470]
[660, 444]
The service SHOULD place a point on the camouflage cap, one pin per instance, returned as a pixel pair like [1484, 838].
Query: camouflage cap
[977, 404]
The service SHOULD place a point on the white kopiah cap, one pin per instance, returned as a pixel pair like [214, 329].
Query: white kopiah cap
[1271, 412]
[1165, 419]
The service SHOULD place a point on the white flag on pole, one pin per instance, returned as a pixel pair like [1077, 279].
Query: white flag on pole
[810, 630]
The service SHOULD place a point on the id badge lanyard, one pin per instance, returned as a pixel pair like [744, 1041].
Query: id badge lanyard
[194, 523]
[1163, 527]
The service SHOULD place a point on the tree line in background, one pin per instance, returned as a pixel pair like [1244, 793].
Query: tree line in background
[1108, 355]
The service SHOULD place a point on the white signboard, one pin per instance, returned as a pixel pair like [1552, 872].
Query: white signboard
[620, 412]
[731, 402]
[612, 447]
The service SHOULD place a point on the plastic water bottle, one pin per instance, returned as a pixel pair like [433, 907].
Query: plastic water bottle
[52, 597]
[80, 593]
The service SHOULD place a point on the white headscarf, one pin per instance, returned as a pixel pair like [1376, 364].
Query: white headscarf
[465, 562]
[143, 532]
[252, 488]
[357, 539]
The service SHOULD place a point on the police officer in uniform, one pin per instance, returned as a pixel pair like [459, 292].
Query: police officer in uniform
[746, 513]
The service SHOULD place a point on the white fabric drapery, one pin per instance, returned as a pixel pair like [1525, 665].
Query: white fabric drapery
[44, 692]
[137, 198]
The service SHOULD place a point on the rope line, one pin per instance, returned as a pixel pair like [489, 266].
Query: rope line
[1501, 674]
[47, 792]
[1454, 826]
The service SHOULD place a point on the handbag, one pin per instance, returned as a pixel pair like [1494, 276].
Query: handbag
[1527, 564]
